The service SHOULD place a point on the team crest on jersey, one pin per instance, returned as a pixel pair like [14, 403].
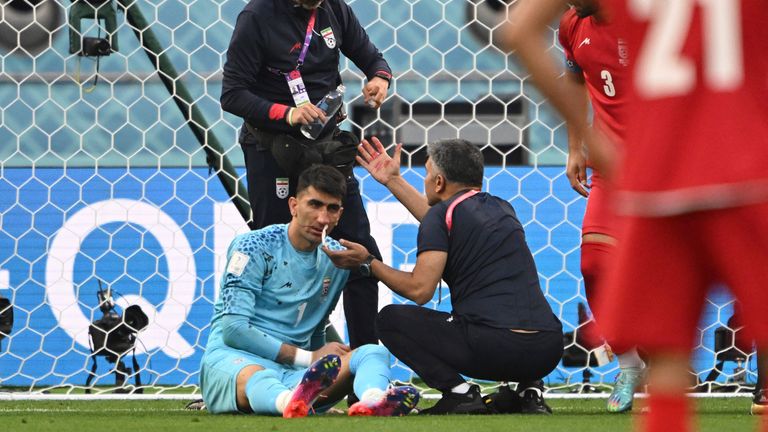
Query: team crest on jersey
[330, 39]
[281, 187]
[623, 53]
[326, 286]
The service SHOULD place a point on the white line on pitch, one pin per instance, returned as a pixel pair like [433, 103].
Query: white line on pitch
[76, 410]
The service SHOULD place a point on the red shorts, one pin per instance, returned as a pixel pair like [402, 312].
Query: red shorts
[599, 217]
[665, 266]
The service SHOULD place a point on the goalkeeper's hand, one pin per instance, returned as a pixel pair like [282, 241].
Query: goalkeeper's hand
[336, 348]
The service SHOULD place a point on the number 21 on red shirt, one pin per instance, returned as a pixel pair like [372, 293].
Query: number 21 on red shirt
[662, 71]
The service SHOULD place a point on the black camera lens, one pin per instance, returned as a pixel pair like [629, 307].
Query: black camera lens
[96, 47]
[136, 319]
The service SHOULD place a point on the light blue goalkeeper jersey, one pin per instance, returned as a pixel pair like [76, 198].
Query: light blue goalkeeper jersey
[285, 294]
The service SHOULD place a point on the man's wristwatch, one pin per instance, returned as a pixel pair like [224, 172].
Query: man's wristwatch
[365, 267]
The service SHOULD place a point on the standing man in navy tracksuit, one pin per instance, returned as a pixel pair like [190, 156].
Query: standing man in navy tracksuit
[282, 59]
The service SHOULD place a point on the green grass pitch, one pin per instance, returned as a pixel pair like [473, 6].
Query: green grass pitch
[716, 415]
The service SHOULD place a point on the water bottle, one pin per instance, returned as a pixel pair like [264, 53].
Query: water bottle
[330, 104]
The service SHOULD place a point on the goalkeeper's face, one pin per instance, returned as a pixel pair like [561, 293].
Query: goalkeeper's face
[313, 211]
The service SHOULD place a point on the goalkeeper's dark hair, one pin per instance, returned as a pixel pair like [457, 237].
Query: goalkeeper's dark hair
[325, 179]
[458, 160]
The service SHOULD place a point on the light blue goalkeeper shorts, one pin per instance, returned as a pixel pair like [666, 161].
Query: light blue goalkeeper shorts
[218, 376]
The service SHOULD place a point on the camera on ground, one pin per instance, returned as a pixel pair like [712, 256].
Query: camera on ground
[113, 336]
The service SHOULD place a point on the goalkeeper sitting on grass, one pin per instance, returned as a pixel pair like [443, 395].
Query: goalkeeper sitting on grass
[266, 353]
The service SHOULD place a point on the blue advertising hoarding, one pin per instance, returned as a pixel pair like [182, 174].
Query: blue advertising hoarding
[157, 237]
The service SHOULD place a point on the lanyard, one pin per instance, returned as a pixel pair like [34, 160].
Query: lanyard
[457, 201]
[304, 49]
[307, 38]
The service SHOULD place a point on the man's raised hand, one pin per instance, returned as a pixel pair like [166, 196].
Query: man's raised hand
[374, 158]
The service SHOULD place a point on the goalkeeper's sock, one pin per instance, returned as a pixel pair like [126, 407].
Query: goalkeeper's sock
[263, 390]
[667, 412]
[373, 395]
[282, 400]
[370, 366]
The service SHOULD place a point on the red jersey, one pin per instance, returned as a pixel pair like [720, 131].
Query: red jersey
[593, 50]
[697, 115]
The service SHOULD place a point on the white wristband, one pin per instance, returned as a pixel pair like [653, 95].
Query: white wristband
[302, 358]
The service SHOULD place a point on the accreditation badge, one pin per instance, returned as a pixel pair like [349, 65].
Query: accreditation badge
[297, 88]
[281, 187]
[330, 39]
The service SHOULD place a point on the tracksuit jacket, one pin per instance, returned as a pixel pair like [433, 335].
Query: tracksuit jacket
[265, 45]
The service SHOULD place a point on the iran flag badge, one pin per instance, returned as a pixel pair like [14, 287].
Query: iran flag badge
[330, 39]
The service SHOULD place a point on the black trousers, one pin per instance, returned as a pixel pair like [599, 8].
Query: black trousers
[440, 348]
[361, 293]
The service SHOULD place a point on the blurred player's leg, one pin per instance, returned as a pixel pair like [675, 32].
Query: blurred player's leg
[634, 314]
[598, 249]
[669, 409]
[596, 258]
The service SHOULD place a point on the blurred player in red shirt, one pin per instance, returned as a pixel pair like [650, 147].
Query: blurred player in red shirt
[597, 63]
[693, 177]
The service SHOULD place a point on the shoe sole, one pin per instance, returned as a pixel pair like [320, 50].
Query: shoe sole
[307, 392]
[758, 409]
[619, 410]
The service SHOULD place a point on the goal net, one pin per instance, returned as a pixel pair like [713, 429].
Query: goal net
[107, 197]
